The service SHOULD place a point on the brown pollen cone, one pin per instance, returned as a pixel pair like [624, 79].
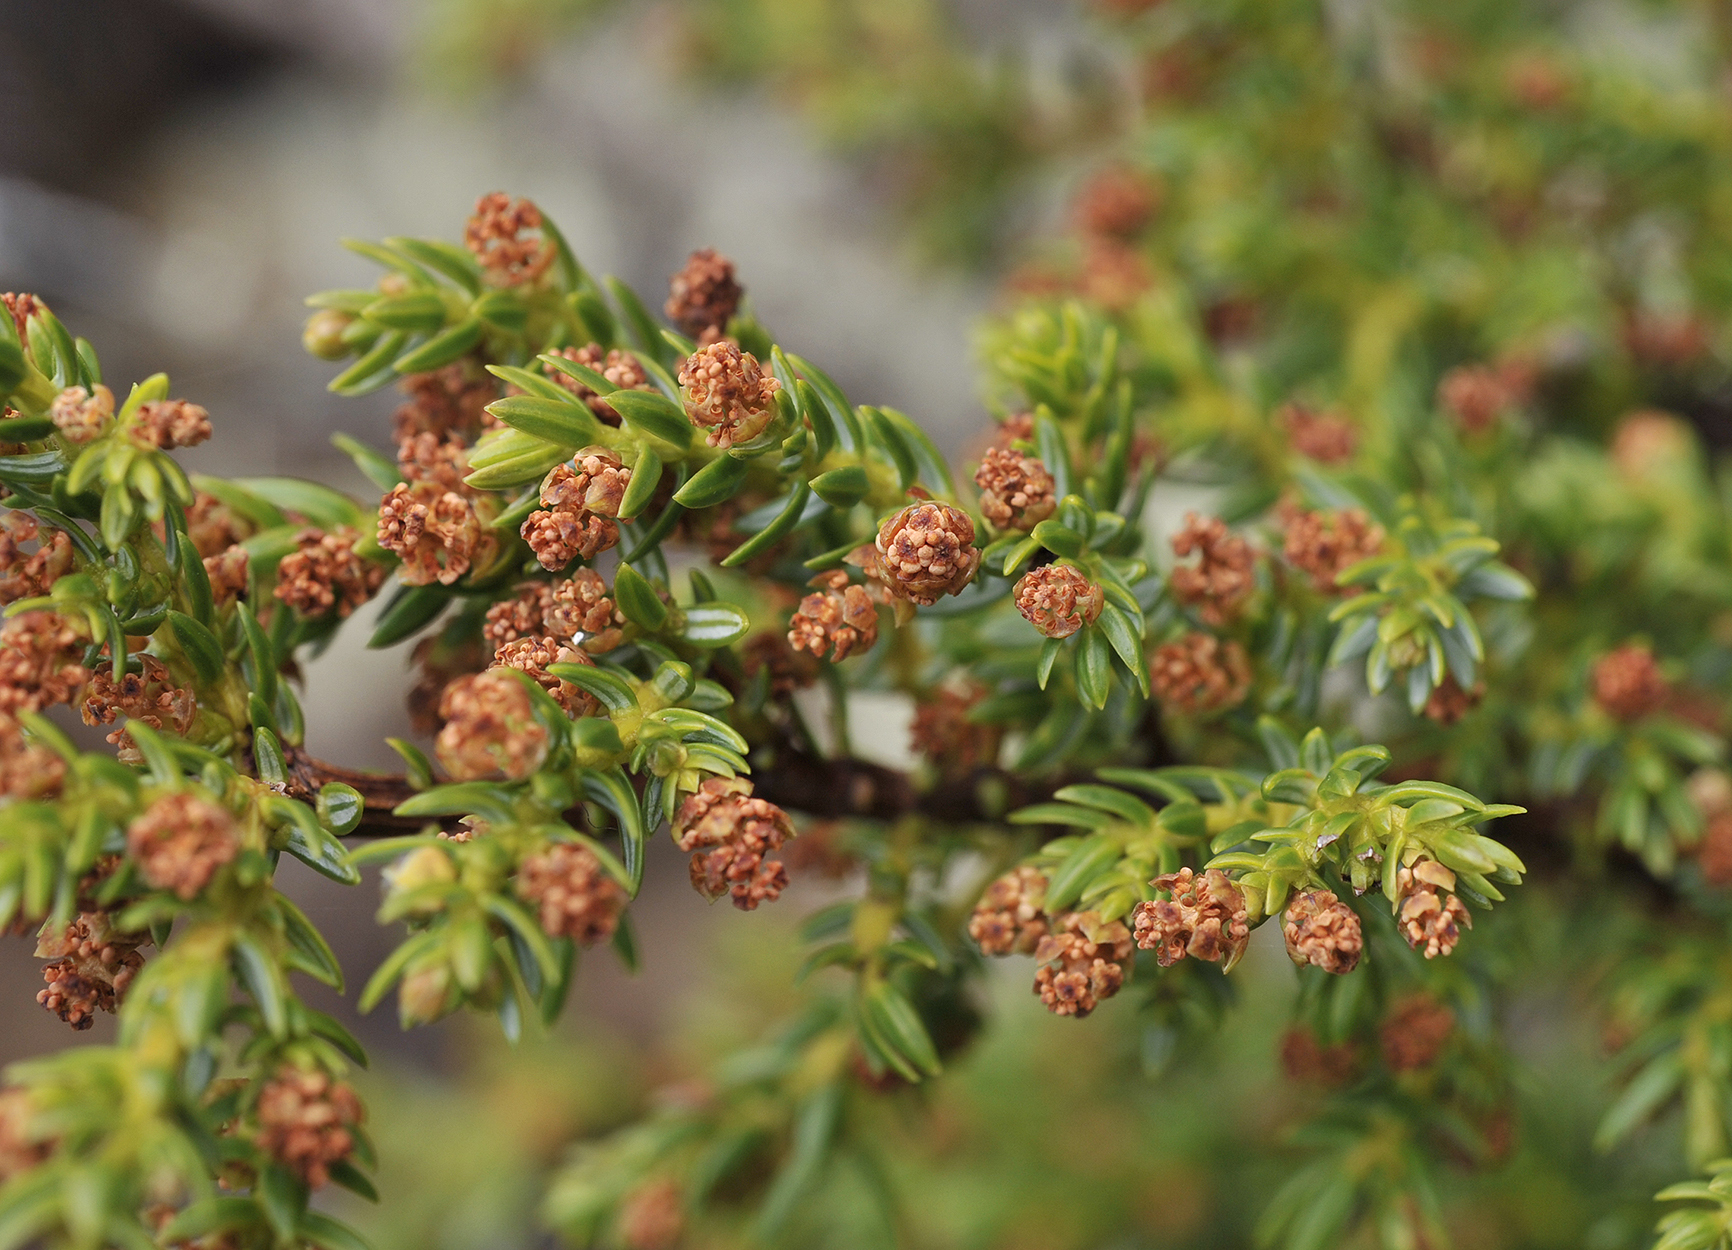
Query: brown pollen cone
[93, 966]
[619, 367]
[1016, 491]
[1304, 1059]
[1430, 917]
[504, 235]
[1326, 437]
[28, 770]
[838, 615]
[1058, 599]
[533, 655]
[180, 841]
[306, 1122]
[325, 573]
[651, 1217]
[39, 654]
[1627, 683]
[166, 424]
[703, 296]
[1118, 203]
[739, 832]
[1448, 703]
[1322, 931]
[80, 414]
[1009, 916]
[572, 894]
[26, 575]
[1082, 963]
[1476, 396]
[943, 734]
[1205, 918]
[148, 695]
[1218, 584]
[490, 728]
[927, 551]
[1415, 1032]
[581, 501]
[434, 531]
[728, 394]
[444, 402]
[20, 1147]
[22, 306]
[1199, 673]
[1326, 544]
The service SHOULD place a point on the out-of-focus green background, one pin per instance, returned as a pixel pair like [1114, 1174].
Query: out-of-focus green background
[174, 175]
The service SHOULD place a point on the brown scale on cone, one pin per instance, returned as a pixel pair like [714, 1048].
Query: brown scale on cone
[942, 732]
[703, 296]
[505, 237]
[148, 695]
[81, 414]
[1205, 918]
[1476, 396]
[28, 770]
[572, 894]
[1117, 203]
[490, 728]
[1429, 916]
[92, 967]
[739, 831]
[839, 617]
[1058, 600]
[1415, 1033]
[1200, 674]
[434, 531]
[1326, 437]
[926, 551]
[621, 368]
[166, 424]
[446, 401]
[1009, 917]
[728, 394]
[1218, 584]
[180, 841]
[531, 656]
[26, 575]
[1016, 491]
[39, 654]
[306, 1122]
[580, 503]
[1628, 684]
[324, 573]
[1325, 544]
[1322, 931]
[1082, 963]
